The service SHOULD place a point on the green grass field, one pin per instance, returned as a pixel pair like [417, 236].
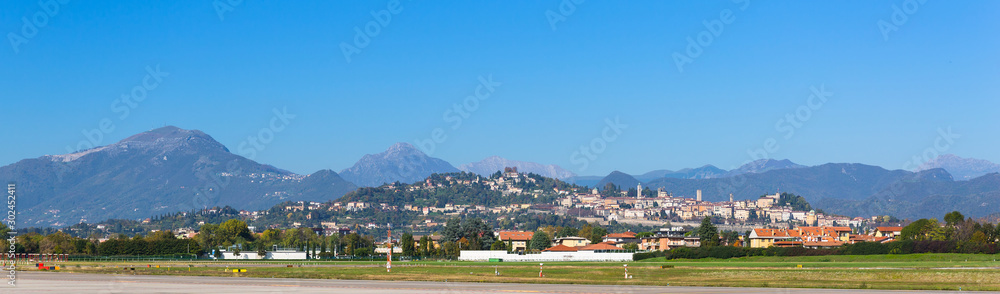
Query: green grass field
[903, 272]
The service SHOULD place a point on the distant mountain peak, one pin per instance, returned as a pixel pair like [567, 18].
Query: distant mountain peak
[165, 139]
[619, 179]
[402, 147]
[492, 164]
[400, 162]
[961, 168]
[166, 133]
[764, 165]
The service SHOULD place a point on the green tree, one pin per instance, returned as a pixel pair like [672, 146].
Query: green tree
[498, 245]
[567, 232]
[232, 229]
[270, 237]
[425, 246]
[597, 234]
[586, 231]
[954, 218]
[261, 249]
[540, 241]
[708, 233]
[730, 237]
[451, 249]
[452, 230]
[408, 248]
[919, 230]
[161, 235]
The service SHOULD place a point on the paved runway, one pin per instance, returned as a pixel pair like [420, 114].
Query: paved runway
[42, 282]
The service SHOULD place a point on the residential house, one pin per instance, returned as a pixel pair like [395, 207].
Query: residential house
[891, 232]
[619, 238]
[517, 241]
[572, 241]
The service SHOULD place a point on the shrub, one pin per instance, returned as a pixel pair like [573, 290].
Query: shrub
[864, 248]
[647, 255]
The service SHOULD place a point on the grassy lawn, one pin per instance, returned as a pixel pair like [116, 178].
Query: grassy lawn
[904, 272]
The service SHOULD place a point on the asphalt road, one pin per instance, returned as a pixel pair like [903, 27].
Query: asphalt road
[48, 282]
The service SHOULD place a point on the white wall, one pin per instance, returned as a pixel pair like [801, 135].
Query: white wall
[270, 255]
[485, 255]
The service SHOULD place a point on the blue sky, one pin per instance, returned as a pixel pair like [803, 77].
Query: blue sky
[888, 94]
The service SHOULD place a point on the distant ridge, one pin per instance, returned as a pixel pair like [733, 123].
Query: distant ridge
[620, 179]
[763, 165]
[705, 172]
[493, 164]
[962, 169]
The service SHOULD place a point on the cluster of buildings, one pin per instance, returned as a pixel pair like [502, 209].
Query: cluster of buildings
[519, 242]
[559, 249]
[819, 237]
[766, 209]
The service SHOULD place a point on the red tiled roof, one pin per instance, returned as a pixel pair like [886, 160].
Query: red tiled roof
[822, 244]
[621, 235]
[867, 238]
[777, 233]
[515, 236]
[889, 229]
[561, 248]
[600, 246]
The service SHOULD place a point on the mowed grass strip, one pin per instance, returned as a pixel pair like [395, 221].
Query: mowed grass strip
[845, 272]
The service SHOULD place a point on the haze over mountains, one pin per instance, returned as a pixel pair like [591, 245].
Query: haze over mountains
[170, 169]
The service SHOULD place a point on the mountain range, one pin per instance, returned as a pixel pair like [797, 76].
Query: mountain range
[165, 170]
[856, 190]
[171, 169]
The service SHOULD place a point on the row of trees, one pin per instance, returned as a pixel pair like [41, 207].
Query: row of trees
[157, 243]
[956, 228]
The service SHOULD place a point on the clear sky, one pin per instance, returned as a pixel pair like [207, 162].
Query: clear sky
[224, 69]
